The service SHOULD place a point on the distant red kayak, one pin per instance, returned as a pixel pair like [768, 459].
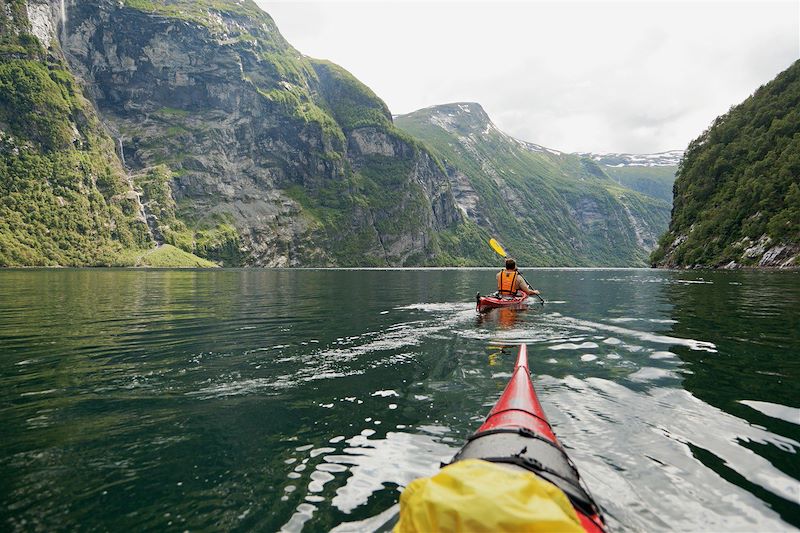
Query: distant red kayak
[487, 303]
[518, 435]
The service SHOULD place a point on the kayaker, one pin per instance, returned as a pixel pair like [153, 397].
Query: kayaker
[510, 281]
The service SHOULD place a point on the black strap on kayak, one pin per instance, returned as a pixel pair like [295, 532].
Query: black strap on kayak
[523, 432]
[573, 488]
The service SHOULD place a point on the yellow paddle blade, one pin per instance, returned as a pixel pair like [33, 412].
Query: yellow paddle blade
[497, 247]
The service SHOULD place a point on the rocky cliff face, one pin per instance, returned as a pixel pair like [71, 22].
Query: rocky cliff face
[276, 159]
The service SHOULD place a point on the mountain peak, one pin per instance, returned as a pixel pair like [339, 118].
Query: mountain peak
[464, 118]
[460, 108]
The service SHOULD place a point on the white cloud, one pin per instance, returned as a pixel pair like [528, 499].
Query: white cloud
[601, 76]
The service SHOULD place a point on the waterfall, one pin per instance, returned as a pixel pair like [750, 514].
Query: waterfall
[148, 218]
[121, 151]
[63, 18]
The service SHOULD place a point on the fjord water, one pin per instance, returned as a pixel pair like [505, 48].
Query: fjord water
[303, 399]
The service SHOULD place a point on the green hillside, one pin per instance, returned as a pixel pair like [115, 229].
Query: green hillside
[737, 193]
[652, 181]
[64, 199]
[549, 208]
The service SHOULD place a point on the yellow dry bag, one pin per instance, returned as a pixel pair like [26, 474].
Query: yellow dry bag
[476, 495]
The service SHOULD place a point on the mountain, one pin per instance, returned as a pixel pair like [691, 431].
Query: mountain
[548, 207]
[249, 153]
[195, 126]
[651, 174]
[737, 193]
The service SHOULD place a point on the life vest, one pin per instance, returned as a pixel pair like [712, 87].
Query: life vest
[506, 283]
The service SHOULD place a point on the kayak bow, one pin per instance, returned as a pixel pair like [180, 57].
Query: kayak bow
[518, 435]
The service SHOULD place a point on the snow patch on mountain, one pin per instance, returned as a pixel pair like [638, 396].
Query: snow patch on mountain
[660, 159]
[443, 120]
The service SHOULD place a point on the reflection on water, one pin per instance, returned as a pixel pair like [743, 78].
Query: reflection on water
[306, 400]
[364, 459]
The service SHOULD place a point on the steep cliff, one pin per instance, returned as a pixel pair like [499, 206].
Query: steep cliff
[272, 158]
[549, 207]
[64, 198]
[737, 193]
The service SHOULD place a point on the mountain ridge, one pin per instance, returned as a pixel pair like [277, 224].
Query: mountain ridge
[658, 159]
[650, 174]
[527, 194]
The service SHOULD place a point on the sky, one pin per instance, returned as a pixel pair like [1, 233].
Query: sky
[591, 76]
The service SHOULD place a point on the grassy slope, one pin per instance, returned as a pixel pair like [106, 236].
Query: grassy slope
[165, 256]
[548, 185]
[197, 10]
[652, 181]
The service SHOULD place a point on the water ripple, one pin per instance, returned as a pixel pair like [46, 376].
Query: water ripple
[240, 400]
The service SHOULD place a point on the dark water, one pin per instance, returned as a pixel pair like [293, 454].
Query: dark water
[270, 400]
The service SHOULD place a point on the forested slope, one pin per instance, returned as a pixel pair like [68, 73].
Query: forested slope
[737, 193]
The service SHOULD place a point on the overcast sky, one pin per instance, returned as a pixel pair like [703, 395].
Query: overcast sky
[600, 76]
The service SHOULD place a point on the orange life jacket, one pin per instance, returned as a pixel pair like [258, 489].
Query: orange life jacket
[506, 283]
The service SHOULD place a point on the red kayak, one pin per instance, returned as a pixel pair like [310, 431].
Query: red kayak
[487, 303]
[518, 435]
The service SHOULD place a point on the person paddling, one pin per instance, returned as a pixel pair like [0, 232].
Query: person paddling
[510, 281]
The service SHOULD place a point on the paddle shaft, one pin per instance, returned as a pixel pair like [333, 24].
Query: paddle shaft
[528, 284]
